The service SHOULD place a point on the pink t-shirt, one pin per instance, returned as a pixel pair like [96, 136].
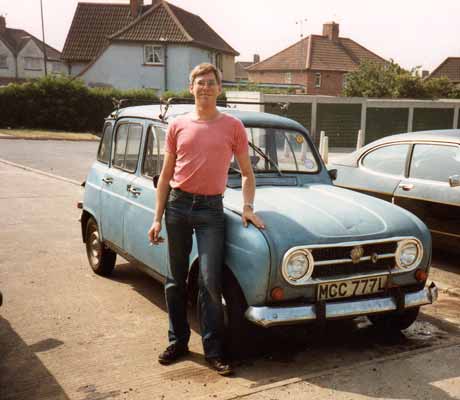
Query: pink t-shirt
[203, 151]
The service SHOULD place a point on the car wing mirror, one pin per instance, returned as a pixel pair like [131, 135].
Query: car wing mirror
[454, 180]
[155, 181]
[333, 174]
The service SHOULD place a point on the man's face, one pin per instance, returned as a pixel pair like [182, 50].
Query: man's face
[205, 89]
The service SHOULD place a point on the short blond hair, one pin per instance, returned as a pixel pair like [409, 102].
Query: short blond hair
[205, 68]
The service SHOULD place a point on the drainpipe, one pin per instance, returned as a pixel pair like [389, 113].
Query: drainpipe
[166, 67]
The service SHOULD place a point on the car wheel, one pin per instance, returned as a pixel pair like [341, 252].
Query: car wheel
[395, 321]
[101, 259]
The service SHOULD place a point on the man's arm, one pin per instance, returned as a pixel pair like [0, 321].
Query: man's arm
[162, 196]
[248, 184]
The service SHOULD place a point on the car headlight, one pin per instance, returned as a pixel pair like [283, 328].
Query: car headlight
[408, 254]
[297, 266]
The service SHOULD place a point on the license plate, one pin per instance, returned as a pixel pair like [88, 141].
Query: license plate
[352, 287]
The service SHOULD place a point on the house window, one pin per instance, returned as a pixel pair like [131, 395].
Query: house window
[3, 61]
[56, 68]
[318, 80]
[153, 54]
[33, 63]
[219, 62]
[288, 77]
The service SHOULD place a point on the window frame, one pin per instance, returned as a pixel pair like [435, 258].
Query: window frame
[111, 124]
[220, 62]
[113, 147]
[318, 79]
[4, 59]
[374, 149]
[431, 181]
[32, 68]
[160, 54]
[288, 77]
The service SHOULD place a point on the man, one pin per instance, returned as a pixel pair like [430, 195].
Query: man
[199, 147]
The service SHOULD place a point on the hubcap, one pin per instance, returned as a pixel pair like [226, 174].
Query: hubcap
[94, 248]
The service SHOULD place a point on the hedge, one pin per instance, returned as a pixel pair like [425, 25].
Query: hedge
[61, 103]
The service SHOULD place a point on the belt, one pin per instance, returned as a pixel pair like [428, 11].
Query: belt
[196, 196]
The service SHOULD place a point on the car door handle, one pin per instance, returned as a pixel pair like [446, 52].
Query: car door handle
[406, 186]
[133, 190]
[107, 180]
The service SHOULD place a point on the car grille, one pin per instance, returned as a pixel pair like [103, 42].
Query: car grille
[336, 262]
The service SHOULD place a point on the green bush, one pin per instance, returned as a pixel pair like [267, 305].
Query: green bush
[62, 103]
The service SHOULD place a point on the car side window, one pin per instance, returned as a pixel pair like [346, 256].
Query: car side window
[434, 162]
[127, 145]
[388, 160]
[161, 137]
[103, 154]
[149, 166]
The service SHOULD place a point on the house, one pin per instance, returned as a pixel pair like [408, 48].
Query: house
[318, 62]
[22, 56]
[449, 68]
[134, 46]
[240, 68]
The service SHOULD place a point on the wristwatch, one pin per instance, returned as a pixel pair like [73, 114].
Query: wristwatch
[250, 205]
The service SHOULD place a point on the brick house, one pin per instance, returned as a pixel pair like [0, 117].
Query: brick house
[317, 62]
[22, 56]
[449, 68]
[134, 46]
[240, 68]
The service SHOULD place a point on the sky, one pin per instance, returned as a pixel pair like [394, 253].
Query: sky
[411, 32]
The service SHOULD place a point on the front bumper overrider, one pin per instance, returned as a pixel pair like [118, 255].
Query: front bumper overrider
[273, 316]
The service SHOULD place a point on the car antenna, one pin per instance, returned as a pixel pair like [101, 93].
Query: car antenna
[162, 115]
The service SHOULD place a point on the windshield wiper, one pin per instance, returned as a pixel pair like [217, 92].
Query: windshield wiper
[260, 152]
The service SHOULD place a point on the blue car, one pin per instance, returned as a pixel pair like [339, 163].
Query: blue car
[419, 171]
[326, 253]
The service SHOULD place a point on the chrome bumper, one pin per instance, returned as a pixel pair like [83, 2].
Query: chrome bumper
[273, 316]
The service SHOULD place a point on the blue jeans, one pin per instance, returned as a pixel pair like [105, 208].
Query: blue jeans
[187, 213]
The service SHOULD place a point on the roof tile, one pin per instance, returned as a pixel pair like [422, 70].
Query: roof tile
[317, 52]
[95, 23]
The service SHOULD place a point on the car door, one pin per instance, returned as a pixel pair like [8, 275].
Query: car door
[117, 179]
[426, 191]
[379, 171]
[141, 205]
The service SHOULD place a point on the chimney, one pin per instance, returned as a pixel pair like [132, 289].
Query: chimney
[256, 58]
[136, 7]
[331, 30]
[2, 24]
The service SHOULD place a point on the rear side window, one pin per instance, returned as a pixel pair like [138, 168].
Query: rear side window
[387, 160]
[435, 162]
[154, 152]
[103, 154]
[127, 145]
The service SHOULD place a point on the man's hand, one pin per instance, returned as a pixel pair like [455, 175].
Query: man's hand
[154, 233]
[249, 216]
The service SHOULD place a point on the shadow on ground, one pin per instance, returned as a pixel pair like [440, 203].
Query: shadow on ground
[22, 375]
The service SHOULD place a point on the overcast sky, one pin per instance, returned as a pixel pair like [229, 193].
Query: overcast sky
[413, 33]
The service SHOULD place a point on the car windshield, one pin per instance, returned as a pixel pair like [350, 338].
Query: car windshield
[278, 150]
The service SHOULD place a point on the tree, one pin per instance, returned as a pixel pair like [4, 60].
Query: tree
[389, 80]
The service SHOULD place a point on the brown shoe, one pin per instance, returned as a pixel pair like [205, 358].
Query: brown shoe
[172, 353]
[219, 365]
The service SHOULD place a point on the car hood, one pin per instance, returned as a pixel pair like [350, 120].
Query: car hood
[321, 213]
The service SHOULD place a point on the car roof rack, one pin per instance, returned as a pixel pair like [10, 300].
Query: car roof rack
[166, 103]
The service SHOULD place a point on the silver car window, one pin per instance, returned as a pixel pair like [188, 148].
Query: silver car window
[435, 162]
[387, 160]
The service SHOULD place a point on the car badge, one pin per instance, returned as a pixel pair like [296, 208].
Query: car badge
[374, 258]
[356, 253]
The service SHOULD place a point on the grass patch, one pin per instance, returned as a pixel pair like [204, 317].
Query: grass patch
[50, 135]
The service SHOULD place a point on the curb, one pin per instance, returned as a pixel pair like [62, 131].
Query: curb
[37, 171]
[7, 137]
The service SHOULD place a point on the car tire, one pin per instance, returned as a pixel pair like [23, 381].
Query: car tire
[100, 257]
[239, 333]
[395, 322]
